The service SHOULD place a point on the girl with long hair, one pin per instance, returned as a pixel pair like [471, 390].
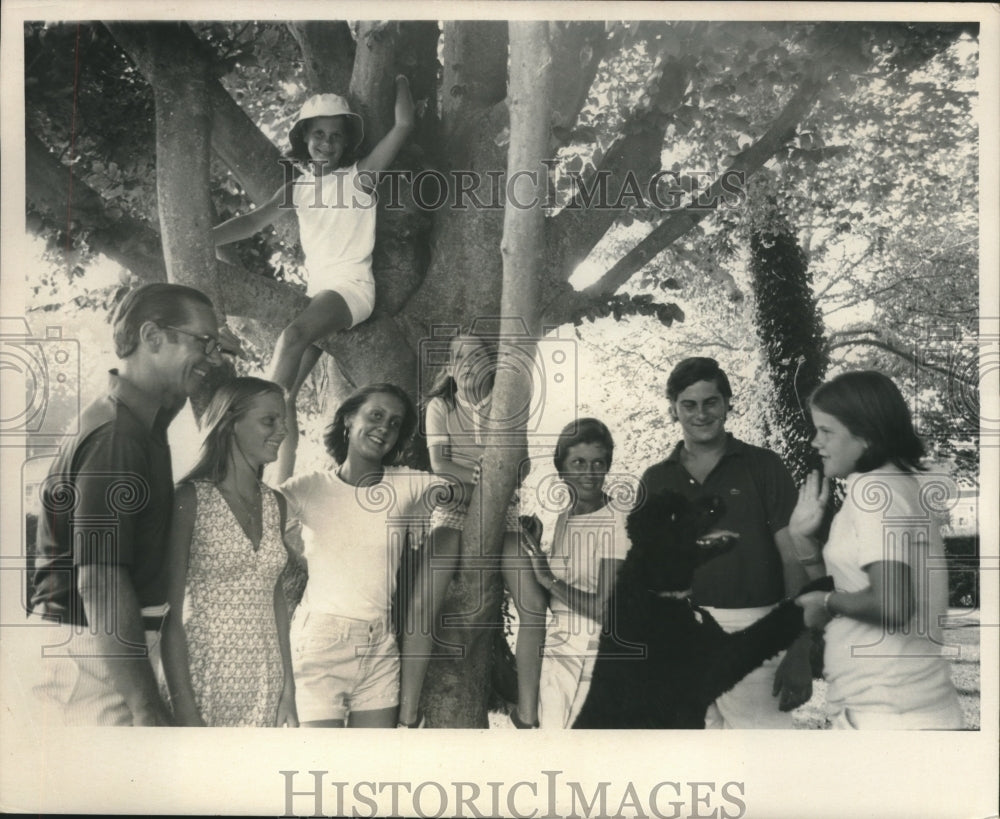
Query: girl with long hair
[225, 644]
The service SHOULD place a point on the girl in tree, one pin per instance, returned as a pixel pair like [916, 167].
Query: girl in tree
[458, 412]
[335, 204]
[882, 660]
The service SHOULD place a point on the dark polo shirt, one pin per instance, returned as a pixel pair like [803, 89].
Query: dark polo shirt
[107, 499]
[759, 495]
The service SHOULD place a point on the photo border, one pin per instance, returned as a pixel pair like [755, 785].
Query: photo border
[229, 771]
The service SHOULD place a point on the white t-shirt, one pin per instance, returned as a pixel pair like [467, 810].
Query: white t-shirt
[885, 517]
[353, 536]
[336, 225]
[581, 542]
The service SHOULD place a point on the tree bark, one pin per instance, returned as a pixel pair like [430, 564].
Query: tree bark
[327, 54]
[455, 693]
[183, 149]
[372, 88]
[474, 75]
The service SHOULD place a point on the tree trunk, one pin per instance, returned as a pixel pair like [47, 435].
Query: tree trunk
[455, 693]
[183, 142]
[327, 54]
[184, 203]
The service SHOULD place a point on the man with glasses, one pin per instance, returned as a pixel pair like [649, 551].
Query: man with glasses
[99, 596]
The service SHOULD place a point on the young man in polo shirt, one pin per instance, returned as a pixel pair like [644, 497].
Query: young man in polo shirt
[106, 504]
[741, 586]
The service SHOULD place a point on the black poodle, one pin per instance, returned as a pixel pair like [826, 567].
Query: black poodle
[663, 660]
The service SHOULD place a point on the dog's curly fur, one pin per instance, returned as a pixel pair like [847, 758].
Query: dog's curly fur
[662, 660]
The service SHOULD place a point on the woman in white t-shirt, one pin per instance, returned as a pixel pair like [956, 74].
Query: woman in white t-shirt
[882, 660]
[355, 520]
[588, 546]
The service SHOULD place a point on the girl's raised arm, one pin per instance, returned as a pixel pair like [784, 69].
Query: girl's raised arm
[382, 154]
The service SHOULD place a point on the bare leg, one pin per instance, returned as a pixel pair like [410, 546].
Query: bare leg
[327, 313]
[378, 718]
[284, 466]
[309, 358]
[530, 601]
[437, 567]
[322, 723]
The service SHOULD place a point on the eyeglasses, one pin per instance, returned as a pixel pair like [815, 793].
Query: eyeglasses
[211, 342]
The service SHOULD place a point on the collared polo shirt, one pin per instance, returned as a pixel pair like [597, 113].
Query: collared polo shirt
[107, 500]
[759, 495]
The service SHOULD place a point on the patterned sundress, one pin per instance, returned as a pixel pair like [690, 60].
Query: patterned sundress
[232, 638]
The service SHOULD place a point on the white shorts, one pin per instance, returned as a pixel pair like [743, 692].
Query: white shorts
[342, 665]
[359, 294]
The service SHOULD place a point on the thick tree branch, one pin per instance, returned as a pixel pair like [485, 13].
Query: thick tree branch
[239, 143]
[183, 150]
[126, 240]
[577, 51]
[635, 154]
[327, 52]
[372, 89]
[906, 355]
[746, 163]
[250, 156]
[417, 59]
[522, 249]
[474, 75]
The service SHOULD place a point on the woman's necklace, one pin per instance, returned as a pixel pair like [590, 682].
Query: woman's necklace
[249, 513]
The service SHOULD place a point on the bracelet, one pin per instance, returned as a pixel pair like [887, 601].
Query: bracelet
[826, 605]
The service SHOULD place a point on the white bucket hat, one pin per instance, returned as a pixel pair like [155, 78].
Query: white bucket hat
[323, 105]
